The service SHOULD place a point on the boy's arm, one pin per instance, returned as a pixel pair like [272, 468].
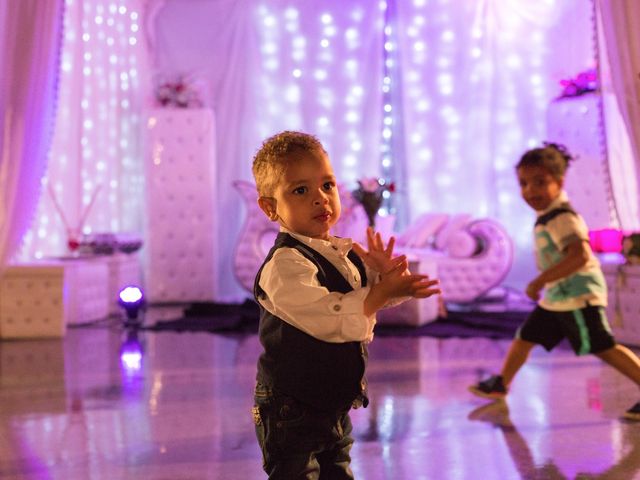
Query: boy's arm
[294, 294]
[577, 255]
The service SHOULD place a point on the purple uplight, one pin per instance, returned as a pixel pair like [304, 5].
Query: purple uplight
[132, 300]
[130, 295]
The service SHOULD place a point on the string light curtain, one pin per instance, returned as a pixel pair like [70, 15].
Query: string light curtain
[94, 180]
[321, 71]
[477, 80]
[272, 66]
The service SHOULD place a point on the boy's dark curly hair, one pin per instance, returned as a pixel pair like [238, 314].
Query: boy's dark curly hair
[276, 152]
[553, 157]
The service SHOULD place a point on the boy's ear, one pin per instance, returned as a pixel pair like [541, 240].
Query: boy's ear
[268, 206]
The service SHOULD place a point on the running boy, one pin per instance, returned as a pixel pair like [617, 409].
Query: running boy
[575, 292]
[318, 296]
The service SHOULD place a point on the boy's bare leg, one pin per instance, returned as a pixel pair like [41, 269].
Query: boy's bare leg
[623, 360]
[516, 357]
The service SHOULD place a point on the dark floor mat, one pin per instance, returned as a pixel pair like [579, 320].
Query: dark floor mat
[243, 319]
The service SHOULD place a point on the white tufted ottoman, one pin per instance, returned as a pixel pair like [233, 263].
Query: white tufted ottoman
[414, 312]
[40, 299]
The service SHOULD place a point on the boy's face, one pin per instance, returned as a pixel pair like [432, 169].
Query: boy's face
[538, 187]
[305, 199]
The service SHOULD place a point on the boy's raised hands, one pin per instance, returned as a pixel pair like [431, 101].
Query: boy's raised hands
[378, 257]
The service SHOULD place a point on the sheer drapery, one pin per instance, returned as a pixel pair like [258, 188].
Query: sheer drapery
[94, 179]
[30, 32]
[621, 86]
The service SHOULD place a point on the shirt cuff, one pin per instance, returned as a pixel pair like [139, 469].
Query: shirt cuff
[350, 307]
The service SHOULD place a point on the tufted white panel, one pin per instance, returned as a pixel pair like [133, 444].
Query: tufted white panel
[623, 310]
[41, 299]
[180, 228]
[575, 123]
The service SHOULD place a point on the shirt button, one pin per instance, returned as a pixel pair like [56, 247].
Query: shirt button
[334, 247]
[337, 308]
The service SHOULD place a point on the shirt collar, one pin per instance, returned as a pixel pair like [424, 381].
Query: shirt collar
[336, 244]
[562, 198]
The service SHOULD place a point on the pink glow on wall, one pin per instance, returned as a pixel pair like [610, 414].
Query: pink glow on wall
[607, 240]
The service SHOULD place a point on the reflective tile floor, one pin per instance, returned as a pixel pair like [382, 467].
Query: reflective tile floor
[101, 404]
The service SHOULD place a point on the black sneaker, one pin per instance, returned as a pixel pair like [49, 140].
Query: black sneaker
[633, 413]
[492, 388]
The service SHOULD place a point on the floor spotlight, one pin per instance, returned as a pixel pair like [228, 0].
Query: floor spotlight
[131, 299]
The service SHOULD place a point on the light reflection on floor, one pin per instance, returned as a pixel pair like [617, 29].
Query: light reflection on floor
[103, 405]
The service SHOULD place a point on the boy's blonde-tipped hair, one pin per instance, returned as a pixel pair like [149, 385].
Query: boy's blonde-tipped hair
[274, 154]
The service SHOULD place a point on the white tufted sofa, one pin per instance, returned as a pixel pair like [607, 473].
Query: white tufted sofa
[472, 256]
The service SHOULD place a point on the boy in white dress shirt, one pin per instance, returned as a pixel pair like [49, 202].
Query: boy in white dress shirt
[318, 297]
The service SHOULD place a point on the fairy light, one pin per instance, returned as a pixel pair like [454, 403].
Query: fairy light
[392, 135]
[314, 61]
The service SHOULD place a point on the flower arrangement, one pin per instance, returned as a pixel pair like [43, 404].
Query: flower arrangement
[584, 82]
[370, 194]
[178, 92]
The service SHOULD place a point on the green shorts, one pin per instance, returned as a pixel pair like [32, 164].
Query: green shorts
[587, 329]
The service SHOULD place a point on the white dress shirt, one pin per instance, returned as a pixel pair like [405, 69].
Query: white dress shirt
[293, 293]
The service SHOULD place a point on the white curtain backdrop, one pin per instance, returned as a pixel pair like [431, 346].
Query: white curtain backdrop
[472, 84]
[30, 33]
[94, 180]
[621, 86]
[283, 64]
[477, 81]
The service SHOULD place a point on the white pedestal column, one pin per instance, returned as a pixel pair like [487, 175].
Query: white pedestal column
[181, 233]
[575, 123]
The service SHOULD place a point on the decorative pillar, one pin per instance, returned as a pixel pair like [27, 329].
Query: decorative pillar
[181, 229]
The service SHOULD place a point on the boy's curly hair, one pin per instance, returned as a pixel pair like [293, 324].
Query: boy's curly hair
[275, 153]
[553, 157]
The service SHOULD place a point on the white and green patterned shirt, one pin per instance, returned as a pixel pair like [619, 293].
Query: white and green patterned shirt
[557, 227]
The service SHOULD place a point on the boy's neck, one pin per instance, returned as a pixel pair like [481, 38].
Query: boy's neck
[559, 200]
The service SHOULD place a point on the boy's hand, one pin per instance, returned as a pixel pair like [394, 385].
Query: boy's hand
[396, 283]
[533, 290]
[378, 257]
